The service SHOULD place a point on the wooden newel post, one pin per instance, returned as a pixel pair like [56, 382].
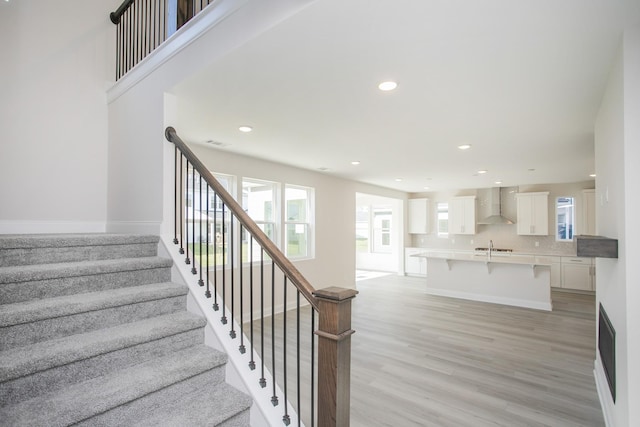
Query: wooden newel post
[334, 355]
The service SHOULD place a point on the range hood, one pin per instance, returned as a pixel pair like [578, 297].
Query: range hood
[495, 201]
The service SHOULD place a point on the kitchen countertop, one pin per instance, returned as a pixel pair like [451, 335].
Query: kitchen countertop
[484, 258]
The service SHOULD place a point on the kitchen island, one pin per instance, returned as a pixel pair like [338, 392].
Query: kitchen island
[518, 280]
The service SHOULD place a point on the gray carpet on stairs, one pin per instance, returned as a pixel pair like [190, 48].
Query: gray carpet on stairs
[92, 332]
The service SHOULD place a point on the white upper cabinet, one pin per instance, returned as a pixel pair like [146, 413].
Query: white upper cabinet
[533, 214]
[418, 216]
[462, 215]
[588, 212]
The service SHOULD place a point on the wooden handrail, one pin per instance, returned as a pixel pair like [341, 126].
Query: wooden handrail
[269, 247]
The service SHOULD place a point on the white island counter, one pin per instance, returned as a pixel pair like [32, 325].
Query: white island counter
[519, 280]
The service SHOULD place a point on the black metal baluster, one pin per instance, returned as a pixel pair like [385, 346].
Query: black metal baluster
[186, 234]
[175, 194]
[274, 398]
[143, 32]
[118, 47]
[122, 48]
[147, 31]
[223, 319]
[182, 206]
[263, 380]
[313, 364]
[298, 355]
[129, 41]
[134, 37]
[201, 281]
[241, 348]
[208, 292]
[152, 26]
[252, 363]
[232, 265]
[285, 418]
[193, 221]
[215, 251]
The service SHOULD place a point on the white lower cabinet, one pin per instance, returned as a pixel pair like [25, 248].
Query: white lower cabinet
[414, 266]
[578, 273]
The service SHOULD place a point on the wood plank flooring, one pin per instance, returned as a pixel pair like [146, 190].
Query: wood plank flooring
[423, 360]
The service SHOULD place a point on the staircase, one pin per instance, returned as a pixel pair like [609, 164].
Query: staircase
[94, 333]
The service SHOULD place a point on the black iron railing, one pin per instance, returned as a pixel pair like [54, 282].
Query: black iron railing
[142, 25]
[246, 275]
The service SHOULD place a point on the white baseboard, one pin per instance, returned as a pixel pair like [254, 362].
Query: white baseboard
[46, 227]
[604, 394]
[491, 299]
[134, 227]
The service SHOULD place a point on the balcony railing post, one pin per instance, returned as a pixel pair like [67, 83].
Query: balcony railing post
[334, 355]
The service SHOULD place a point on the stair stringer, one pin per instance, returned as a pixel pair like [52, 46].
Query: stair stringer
[262, 413]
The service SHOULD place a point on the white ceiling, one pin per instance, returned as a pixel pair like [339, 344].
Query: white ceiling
[521, 81]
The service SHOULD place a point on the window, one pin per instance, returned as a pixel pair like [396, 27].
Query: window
[211, 211]
[259, 200]
[565, 218]
[362, 228]
[221, 226]
[298, 220]
[443, 219]
[382, 229]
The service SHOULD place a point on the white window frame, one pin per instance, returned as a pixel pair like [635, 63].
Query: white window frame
[571, 222]
[275, 216]
[442, 234]
[308, 224]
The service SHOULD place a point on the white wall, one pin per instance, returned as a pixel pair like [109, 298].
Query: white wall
[632, 212]
[57, 60]
[617, 133]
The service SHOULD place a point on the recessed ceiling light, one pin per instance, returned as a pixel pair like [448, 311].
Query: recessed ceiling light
[387, 86]
[482, 171]
[593, 175]
[498, 182]
[425, 188]
[464, 146]
[355, 163]
[245, 128]
[398, 179]
[323, 169]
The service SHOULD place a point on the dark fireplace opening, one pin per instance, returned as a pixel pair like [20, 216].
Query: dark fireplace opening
[607, 349]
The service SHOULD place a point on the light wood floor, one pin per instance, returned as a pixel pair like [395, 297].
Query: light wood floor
[421, 360]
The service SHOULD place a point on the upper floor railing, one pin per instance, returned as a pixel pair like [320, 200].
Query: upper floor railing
[142, 25]
[267, 305]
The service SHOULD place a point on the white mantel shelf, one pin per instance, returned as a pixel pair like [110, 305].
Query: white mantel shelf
[518, 280]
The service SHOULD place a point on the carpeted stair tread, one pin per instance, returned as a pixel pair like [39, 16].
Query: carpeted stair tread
[41, 356]
[30, 241]
[27, 273]
[193, 409]
[98, 395]
[32, 311]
